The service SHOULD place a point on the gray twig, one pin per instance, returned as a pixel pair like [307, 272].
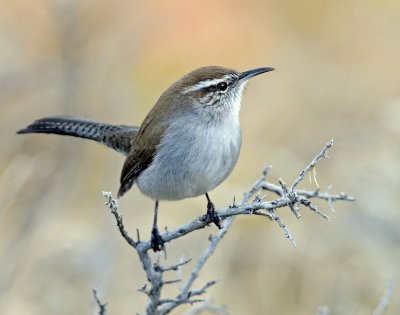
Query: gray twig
[113, 206]
[287, 197]
[102, 307]
[173, 267]
[384, 303]
[322, 154]
[207, 308]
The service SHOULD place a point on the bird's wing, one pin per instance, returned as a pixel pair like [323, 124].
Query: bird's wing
[142, 153]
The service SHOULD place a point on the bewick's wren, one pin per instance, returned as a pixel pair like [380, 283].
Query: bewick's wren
[186, 146]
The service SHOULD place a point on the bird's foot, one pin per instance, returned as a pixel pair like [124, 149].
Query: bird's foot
[156, 241]
[212, 216]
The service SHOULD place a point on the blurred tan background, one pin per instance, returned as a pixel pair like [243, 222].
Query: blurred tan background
[337, 76]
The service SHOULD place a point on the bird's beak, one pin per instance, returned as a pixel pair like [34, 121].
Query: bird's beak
[244, 76]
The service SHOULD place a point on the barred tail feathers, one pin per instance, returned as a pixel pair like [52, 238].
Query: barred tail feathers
[117, 137]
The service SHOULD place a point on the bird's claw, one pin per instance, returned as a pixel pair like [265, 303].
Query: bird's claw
[156, 241]
[212, 216]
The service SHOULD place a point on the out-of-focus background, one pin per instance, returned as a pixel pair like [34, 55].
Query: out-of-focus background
[337, 76]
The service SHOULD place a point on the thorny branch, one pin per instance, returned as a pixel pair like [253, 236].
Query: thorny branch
[102, 307]
[384, 302]
[251, 203]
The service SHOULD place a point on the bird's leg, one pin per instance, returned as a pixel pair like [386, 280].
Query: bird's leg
[157, 242]
[211, 215]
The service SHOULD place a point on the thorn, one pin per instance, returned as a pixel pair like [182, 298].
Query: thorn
[266, 170]
[138, 235]
[234, 202]
[143, 290]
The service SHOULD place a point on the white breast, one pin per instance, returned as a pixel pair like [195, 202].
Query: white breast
[193, 158]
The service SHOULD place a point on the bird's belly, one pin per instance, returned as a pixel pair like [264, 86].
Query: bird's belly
[190, 163]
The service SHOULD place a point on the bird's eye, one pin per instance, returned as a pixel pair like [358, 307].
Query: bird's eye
[222, 86]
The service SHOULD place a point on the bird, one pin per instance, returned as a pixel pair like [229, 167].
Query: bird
[187, 145]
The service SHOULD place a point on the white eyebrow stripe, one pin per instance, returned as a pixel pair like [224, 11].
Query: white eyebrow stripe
[205, 83]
